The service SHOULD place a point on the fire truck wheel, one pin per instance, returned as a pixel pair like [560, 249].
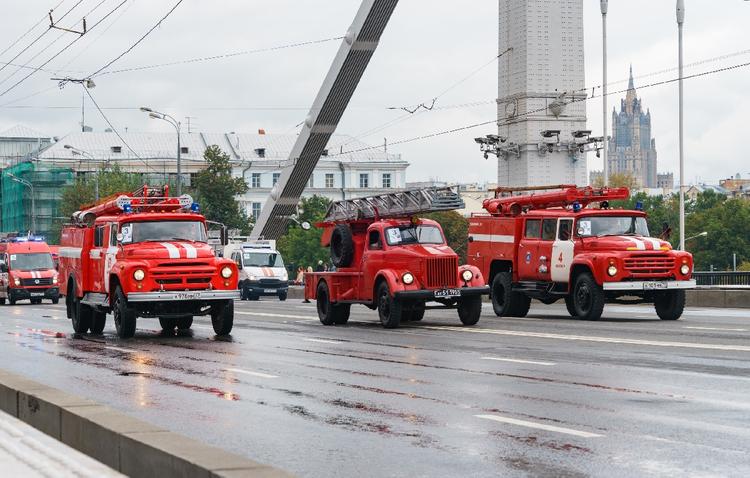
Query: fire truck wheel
[570, 305]
[588, 298]
[470, 309]
[55, 300]
[2, 301]
[282, 296]
[326, 310]
[222, 317]
[501, 294]
[342, 246]
[124, 316]
[184, 323]
[390, 310]
[98, 320]
[669, 305]
[168, 323]
[519, 305]
[81, 317]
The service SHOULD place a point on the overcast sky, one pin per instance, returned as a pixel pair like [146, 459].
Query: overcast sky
[428, 47]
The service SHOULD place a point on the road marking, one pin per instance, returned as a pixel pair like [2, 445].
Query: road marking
[540, 426]
[282, 316]
[254, 374]
[119, 349]
[321, 341]
[533, 362]
[583, 338]
[716, 328]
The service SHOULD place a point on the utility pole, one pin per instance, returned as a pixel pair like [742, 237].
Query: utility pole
[680, 21]
[604, 7]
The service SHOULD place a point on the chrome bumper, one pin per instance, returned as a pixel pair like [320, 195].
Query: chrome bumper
[183, 295]
[650, 285]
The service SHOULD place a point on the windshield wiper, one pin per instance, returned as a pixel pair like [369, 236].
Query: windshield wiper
[184, 239]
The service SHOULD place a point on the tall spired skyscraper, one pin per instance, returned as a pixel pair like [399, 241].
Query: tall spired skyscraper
[541, 92]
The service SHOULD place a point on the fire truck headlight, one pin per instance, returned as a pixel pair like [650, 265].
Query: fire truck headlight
[226, 272]
[54, 280]
[685, 269]
[612, 270]
[139, 274]
[408, 278]
[467, 275]
[17, 281]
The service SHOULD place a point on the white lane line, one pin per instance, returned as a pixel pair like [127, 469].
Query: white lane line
[583, 338]
[254, 374]
[533, 362]
[716, 328]
[282, 316]
[119, 349]
[540, 426]
[321, 341]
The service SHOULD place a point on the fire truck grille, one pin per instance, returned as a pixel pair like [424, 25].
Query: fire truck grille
[183, 275]
[35, 282]
[649, 265]
[442, 272]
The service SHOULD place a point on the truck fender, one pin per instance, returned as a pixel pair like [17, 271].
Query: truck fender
[583, 264]
[393, 279]
[477, 279]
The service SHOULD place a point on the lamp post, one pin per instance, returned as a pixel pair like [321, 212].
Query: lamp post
[702, 234]
[33, 201]
[680, 21]
[90, 157]
[177, 125]
[604, 7]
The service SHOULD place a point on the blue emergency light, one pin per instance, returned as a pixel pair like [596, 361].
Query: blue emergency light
[639, 206]
[195, 207]
[126, 208]
[577, 207]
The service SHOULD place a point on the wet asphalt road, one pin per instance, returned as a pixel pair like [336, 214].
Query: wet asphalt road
[542, 396]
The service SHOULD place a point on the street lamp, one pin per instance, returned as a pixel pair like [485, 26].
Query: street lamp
[33, 202]
[604, 7]
[680, 21]
[90, 157]
[177, 125]
[702, 234]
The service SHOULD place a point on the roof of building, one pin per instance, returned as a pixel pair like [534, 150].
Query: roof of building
[240, 147]
[22, 132]
[709, 187]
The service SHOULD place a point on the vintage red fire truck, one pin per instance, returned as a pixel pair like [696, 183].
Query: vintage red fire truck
[390, 260]
[550, 246]
[27, 270]
[144, 255]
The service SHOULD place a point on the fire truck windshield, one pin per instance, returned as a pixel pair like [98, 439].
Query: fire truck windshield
[262, 259]
[404, 235]
[597, 226]
[31, 261]
[150, 231]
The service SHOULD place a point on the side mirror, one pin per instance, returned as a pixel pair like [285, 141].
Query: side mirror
[580, 231]
[224, 235]
[306, 226]
[120, 237]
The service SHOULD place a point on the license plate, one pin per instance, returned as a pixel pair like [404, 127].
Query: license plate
[37, 294]
[188, 295]
[447, 293]
[654, 285]
[269, 291]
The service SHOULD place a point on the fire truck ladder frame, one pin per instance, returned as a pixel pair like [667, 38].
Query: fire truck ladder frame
[397, 204]
[505, 203]
[347, 69]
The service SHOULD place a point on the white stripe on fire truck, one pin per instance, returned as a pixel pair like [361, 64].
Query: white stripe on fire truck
[70, 252]
[498, 238]
[174, 253]
[190, 250]
[655, 243]
[640, 245]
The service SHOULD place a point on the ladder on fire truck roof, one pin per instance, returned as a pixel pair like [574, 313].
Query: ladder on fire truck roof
[564, 195]
[397, 204]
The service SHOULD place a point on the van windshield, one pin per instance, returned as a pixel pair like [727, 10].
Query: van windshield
[403, 235]
[31, 261]
[262, 259]
[155, 231]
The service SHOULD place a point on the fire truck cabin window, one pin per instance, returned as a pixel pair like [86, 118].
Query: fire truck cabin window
[405, 235]
[549, 227]
[597, 226]
[159, 231]
[374, 242]
[566, 227]
[262, 259]
[533, 228]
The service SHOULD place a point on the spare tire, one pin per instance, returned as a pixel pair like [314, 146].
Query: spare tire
[342, 246]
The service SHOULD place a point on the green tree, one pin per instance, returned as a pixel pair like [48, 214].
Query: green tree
[456, 229]
[617, 180]
[216, 190]
[302, 248]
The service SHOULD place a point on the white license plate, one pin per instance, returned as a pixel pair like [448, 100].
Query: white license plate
[447, 293]
[269, 291]
[654, 285]
[188, 295]
[37, 294]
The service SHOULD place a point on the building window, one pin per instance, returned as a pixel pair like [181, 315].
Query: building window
[276, 178]
[311, 182]
[364, 181]
[116, 149]
[255, 180]
[329, 180]
[184, 150]
[386, 180]
[255, 210]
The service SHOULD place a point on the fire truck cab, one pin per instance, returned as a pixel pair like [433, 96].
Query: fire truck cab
[550, 246]
[144, 255]
[388, 259]
[27, 271]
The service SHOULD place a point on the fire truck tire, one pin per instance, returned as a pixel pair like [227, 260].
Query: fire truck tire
[222, 317]
[570, 305]
[390, 310]
[342, 246]
[588, 298]
[98, 320]
[81, 317]
[55, 300]
[2, 301]
[670, 305]
[282, 296]
[469, 310]
[124, 316]
[184, 323]
[329, 313]
[168, 323]
[501, 294]
[519, 305]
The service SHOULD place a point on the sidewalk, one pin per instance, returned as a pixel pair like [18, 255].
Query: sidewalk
[27, 452]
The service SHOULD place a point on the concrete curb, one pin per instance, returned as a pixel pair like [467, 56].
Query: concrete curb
[126, 444]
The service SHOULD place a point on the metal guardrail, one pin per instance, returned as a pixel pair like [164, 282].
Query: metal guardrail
[722, 278]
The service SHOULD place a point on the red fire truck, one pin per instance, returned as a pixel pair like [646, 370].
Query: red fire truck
[27, 270]
[550, 246]
[392, 261]
[144, 255]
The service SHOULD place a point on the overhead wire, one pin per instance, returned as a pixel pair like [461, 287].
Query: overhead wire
[17, 40]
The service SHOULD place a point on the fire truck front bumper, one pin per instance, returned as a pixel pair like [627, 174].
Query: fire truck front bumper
[48, 293]
[649, 286]
[442, 294]
[173, 296]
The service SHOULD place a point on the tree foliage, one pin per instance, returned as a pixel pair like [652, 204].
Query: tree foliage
[216, 190]
[456, 229]
[617, 180]
[300, 247]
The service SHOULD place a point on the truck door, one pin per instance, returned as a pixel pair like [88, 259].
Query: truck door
[4, 275]
[111, 253]
[549, 232]
[528, 248]
[563, 251]
[372, 262]
[97, 257]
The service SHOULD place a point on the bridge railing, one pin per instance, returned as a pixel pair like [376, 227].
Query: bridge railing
[723, 279]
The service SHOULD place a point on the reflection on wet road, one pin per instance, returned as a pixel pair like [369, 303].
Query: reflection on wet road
[545, 395]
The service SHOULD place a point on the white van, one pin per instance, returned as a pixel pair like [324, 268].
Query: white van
[261, 269]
